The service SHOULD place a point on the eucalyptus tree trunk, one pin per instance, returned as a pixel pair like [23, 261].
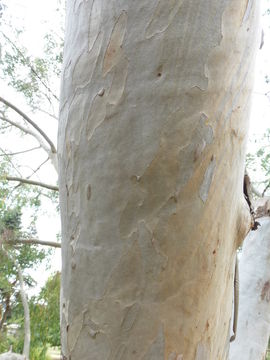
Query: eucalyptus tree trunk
[153, 124]
[254, 300]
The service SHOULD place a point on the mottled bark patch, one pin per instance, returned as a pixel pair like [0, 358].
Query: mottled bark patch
[75, 237]
[157, 349]
[121, 353]
[202, 352]
[174, 356]
[248, 10]
[130, 317]
[207, 180]
[114, 50]
[96, 115]
[265, 293]
[163, 15]
[85, 65]
[205, 136]
[74, 330]
[119, 82]
[94, 23]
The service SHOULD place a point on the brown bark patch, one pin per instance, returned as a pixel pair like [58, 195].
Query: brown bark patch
[265, 294]
[114, 50]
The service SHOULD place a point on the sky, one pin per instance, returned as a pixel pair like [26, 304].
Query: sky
[36, 16]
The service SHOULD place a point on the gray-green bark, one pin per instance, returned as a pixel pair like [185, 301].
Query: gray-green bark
[153, 123]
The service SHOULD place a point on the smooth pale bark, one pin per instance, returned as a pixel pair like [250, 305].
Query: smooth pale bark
[153, 122]
[254, 300]
[26, 312]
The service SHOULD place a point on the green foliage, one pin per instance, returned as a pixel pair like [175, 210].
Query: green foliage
[259, 160]
[45, 320]
[27, 257]
[45, 313]
[34, 77]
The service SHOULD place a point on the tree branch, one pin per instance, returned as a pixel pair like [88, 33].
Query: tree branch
[38, 168]
[46, 112]
[31, 122]
[30, 66]
[264, 191]
[31, 182]
[34, 242]
[28, 131]
[20, 152]
[11, 162]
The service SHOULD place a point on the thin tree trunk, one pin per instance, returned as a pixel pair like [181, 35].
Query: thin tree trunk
[6, 312]
[254, 301]
[153, 126]
[27, 330]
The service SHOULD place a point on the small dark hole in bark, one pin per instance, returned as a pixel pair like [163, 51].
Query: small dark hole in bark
[214, 252]
[159, 74]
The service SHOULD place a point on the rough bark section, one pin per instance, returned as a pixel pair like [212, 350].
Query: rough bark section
[254, 301]
[154, 108]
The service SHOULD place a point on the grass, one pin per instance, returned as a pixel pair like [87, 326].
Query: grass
[53, 353]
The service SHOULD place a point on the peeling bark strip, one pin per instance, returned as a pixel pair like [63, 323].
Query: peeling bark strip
[154, 107]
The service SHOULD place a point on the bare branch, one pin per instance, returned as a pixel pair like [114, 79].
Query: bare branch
[28, 131]
[30, 66]
[34, 242]
[38, 168]
[31, 122]
[20, 152]
[11, 162]
[31, 182]
[46, 112]
[266, 188]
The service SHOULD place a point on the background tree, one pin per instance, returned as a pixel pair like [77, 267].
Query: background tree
[35, 79]
[45, 322]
